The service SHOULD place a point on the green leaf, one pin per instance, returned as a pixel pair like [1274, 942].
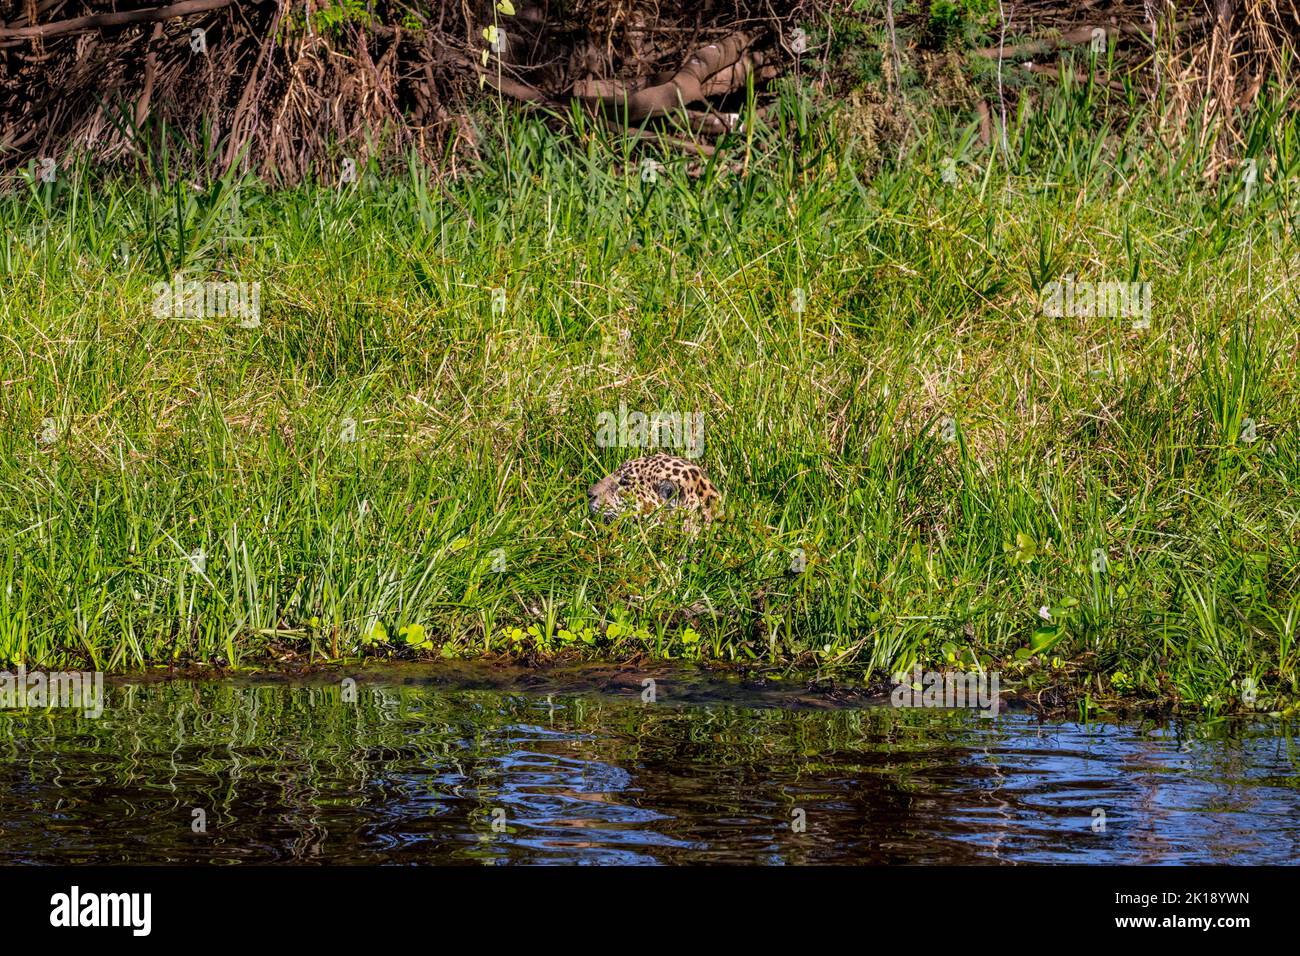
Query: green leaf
[1023, 551]
[1044, 637]
[415, 636]
[377, 634]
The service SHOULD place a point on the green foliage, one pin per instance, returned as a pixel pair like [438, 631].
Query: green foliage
[946, 458]
[330, 19]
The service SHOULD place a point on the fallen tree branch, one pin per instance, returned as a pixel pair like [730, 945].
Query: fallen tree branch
[516, 89]
[1035, 47]
[124, 18]
[1073, 38]
[714, 70]
[733, 77]
[685, 86]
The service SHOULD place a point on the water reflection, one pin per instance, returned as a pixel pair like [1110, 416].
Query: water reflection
[421, 772]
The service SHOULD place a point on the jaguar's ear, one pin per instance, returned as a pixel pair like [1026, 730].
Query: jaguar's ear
[667, 490]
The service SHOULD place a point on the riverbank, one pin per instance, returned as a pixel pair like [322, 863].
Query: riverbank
[1030, 413]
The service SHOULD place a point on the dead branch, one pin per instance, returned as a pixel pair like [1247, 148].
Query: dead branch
[99, 20]
[686, 85]
[714, 70]
[1074, 38]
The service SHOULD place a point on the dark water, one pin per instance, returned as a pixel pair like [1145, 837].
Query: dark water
[424, 768]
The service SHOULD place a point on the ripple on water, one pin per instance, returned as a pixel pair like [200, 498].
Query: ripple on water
[414, 772]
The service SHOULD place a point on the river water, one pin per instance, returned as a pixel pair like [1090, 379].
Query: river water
[464, 765]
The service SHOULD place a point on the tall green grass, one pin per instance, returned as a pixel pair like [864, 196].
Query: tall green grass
[182, 490]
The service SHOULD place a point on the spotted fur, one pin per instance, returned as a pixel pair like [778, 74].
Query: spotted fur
[644, 485]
